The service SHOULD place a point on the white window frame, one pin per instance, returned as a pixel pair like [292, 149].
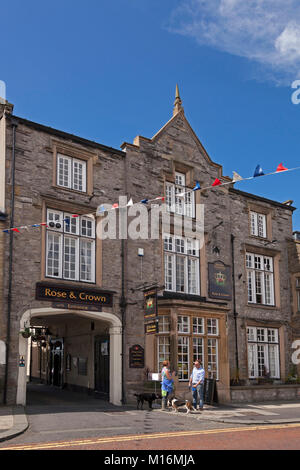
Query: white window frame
[260, 342]
[180, 205]
[163, 350]
[57, 225]
[67, 180]
[260, 275]
[181, 258]
[258, 224]
[183, 342]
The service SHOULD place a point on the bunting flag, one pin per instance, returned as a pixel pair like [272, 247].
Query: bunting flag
[281, 168]
[258, 171]
[217, 182]
[101, 209]
[129, 203]
[236, 177]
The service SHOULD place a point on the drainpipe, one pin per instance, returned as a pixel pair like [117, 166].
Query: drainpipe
[10, 266]
[123, 305]
[235, 314]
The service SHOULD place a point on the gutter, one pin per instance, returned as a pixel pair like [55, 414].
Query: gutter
[10, 267]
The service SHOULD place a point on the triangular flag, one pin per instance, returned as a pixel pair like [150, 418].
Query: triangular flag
[281, 167]
[217, 182]
[159, 198]
[181, 195]
[236, 177]
[15, 230]
[6, 231]
[75, 215]
[115, 206]
[144, 201]
[258, 171]
[129, 203]
[100, 209]
[197, 186]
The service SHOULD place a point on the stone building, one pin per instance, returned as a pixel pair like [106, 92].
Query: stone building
[223, 284]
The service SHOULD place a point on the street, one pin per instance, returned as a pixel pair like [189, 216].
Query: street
[276, 437]
[60, 419]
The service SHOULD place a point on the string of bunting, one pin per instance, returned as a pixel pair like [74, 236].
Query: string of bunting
[217, 183]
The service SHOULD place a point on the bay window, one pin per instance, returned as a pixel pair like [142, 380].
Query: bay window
[198, 339]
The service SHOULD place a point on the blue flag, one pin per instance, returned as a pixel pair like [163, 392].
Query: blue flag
[258, 171]
[197, 186]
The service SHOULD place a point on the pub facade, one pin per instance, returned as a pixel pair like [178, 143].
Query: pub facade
[101, 314]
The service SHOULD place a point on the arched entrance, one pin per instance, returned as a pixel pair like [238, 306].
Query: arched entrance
[104, 344]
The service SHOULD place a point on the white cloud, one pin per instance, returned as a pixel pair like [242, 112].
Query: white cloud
[266, 31]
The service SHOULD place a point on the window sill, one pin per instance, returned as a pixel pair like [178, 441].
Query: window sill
[269, 307]
[72, 191]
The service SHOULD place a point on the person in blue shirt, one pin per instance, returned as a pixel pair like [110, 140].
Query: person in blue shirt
[197, 384]
[167, 383]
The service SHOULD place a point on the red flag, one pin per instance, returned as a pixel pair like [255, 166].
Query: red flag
[15, 230]
[217, 182]
[115, 206]
[281, 167]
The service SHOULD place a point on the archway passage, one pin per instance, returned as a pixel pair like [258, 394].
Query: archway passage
[76, 351]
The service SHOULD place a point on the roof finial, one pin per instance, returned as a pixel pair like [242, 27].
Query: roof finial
[177, 102]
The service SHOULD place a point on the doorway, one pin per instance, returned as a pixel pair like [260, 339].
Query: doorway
[56, 363]
[102, 366]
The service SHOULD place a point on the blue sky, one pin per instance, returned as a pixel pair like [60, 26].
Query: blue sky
[107, 71]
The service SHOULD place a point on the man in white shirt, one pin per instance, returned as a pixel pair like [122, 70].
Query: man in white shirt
[197, 384]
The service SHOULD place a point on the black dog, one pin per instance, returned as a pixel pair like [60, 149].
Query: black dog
[149, 397]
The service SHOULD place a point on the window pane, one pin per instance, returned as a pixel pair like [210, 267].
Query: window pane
[183, 358]
[212, 326]
[193, 266]
[64, 171]
[70, 258]
[163, 346]
[198, 326]
[169, 260]
[53, 254]
[212, 357]
[164, 324]
[183, 324]
[87, 227]
[79, 175]
[198, 350]
[86, 257]
[180, 274]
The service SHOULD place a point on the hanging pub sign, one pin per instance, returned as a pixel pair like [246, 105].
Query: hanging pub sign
[151, 328]
[150, 304]
[219, 281]
[73, 295]
[136, 357]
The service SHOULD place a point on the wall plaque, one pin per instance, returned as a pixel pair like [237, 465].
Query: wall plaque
[136, 357]
[219, 281]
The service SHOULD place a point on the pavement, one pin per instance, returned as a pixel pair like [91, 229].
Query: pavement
[14, 419]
